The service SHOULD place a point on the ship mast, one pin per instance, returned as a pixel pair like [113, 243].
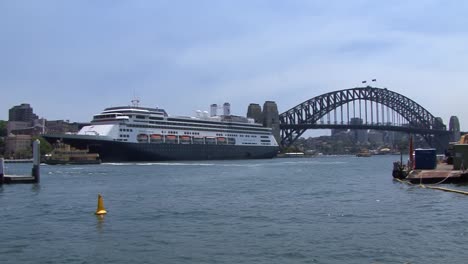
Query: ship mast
[135, 101]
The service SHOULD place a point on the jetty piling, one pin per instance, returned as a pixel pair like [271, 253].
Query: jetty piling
[2, 165]
[35, 173]
[36, 161]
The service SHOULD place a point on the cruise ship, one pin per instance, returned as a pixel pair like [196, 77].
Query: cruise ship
[136, 134]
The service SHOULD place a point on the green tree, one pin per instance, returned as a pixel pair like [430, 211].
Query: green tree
[46, 147]
[2, 146]
[23, 154]
[3, 128]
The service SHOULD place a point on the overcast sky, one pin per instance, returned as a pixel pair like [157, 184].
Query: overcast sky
[71, 59]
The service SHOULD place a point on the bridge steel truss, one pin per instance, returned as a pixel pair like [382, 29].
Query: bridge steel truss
[295, 121]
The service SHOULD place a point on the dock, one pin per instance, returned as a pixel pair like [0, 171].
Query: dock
[443, 173]
[35, 173]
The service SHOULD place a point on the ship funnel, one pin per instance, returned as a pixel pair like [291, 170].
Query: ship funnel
[214, 110]
[227, 109]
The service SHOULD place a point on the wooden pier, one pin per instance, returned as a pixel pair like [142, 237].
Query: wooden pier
[35, 173]
[444, 173]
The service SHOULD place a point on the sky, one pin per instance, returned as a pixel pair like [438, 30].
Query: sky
[72, 59]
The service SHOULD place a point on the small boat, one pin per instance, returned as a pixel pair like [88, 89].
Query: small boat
[64, 154]
[364, 153]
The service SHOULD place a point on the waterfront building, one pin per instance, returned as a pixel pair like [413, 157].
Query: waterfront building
[17, 143]
[15, 127]
[62, 126]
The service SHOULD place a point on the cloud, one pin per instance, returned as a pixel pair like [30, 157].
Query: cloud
[185, 56]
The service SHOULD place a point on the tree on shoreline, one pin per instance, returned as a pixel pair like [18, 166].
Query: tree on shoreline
[46, 147]
[3, 128]
[3, 134]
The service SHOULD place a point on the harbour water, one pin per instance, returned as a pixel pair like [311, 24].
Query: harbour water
[290, 210]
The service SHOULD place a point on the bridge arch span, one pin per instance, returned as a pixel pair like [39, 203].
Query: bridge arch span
[295, 121]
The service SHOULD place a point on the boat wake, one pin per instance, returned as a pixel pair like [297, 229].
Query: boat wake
[187, 164]
[159, 164]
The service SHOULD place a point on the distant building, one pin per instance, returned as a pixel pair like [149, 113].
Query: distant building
[17, 143]
[255, 112]
[341, 134]
[23, 121]
[22, 113]
[62, 126]
[14, 126]
[34, 128]
[23, 124]
[375, 137]
[337, 132]
[360, 135]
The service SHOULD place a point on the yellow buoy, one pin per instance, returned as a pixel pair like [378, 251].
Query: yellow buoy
[100, 206]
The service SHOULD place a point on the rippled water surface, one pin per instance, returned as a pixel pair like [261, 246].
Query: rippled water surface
[296, 210]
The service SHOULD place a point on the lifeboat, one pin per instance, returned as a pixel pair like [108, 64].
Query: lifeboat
[156, 138]
[210, 140]
[171, 138]
[198, 140]
[184, 139]
[221, 140]
[142, 138]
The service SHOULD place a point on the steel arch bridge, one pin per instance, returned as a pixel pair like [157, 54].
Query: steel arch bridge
[361, 108]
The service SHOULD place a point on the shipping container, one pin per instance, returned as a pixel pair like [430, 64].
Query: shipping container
[460, 156]
[425, 159]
